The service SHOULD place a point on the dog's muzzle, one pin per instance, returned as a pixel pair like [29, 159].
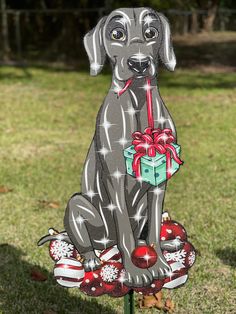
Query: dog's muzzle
[138, 65]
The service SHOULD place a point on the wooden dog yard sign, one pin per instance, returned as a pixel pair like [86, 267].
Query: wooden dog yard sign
[117, 238]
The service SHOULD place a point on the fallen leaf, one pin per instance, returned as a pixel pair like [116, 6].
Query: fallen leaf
[5, 189]
[51, 204]
[37, 275]
[147, 301]
[159, 295]
[54, 205]
[159, 301]
[186, 125]
[169, 305]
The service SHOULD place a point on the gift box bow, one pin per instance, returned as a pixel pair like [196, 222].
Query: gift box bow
[149, 143]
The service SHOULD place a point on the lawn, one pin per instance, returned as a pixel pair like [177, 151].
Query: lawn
[47, 119]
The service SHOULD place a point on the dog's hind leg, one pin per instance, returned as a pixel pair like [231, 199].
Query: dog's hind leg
[84, 225]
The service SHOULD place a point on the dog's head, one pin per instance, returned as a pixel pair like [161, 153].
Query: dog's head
[134, 40]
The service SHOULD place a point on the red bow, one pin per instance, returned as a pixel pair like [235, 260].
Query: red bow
[150, 142]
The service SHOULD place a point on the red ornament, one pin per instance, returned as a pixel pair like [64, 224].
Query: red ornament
[119, 290]
[144, 256]
[156, 286]
[112, 275]
[108, 287]
[190, 254]
[61, 249]
[119, 287]
[92, 284]
[181, 259]
[171, 230]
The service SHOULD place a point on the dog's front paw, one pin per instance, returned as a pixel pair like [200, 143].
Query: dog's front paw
[91, 262]
[161, 269]
[136, 277]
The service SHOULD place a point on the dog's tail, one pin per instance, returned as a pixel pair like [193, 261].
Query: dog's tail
[54, 235]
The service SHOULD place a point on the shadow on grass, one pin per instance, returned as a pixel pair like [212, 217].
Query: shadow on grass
[191, 80]
[25, 72]
[202, 54]
[20, 294]
[227, 255]
[197, 80]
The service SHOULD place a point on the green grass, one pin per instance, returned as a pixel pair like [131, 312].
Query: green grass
[47, 120]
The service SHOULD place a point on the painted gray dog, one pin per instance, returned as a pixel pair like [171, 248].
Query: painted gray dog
[113, 207]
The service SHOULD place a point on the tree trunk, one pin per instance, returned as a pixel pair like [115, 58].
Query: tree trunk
[194, 22]
[5, 39]
[185, 24]
[208, 21]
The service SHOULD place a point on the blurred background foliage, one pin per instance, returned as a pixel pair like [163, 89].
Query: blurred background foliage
[52, 30]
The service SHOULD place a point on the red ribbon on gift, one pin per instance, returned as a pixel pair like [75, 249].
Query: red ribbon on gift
[150, 142]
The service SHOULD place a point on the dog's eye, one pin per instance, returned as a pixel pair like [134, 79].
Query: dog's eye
[118, 34]
[150, 33]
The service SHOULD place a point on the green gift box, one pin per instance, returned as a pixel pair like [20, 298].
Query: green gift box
[153, 169]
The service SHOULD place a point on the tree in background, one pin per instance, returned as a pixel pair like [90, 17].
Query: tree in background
[51, 35]
[211, 7]
[5, 39]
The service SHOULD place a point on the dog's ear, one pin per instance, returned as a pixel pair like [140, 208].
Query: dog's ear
[94, 47]
[166, 51]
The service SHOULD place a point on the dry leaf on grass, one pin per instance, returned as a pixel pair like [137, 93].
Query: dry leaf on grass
[51, 204]
[5, 189]
[147, 301]
[169, 305]
[54, 205]
[37, 275]
[159, 300]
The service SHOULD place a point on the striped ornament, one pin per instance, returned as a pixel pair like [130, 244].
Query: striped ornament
[111, 254]
[176, 279]
[69, 272]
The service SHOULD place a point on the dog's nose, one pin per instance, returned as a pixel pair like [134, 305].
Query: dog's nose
[138, 65]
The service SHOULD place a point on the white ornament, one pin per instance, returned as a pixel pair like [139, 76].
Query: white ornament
[109, 273]
[69, 272]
